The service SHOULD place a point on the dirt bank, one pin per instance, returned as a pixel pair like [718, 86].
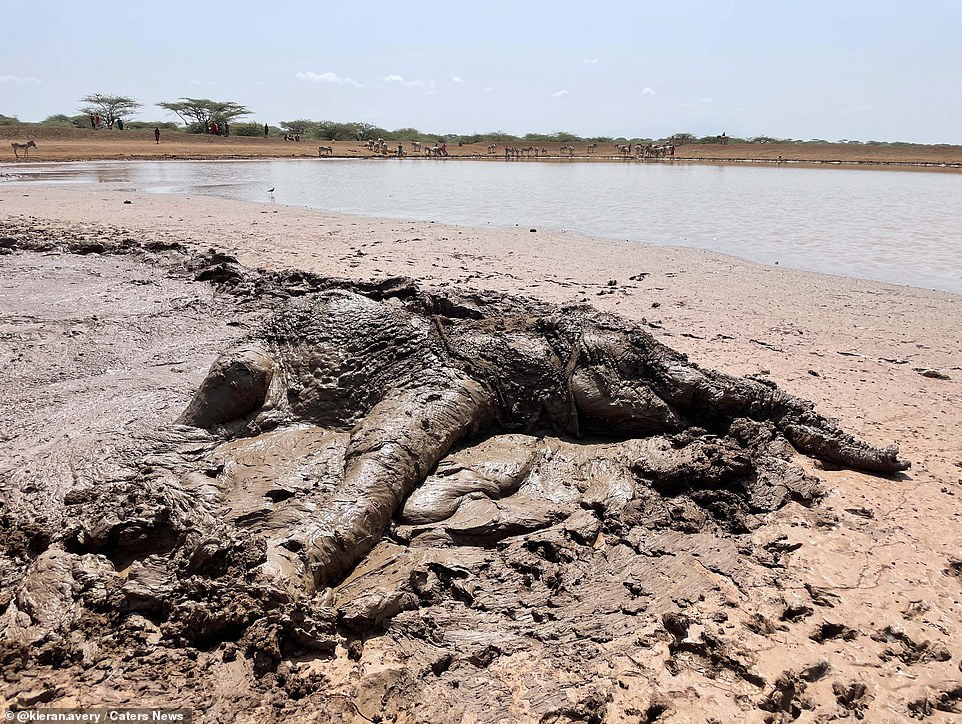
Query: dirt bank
[55, 144]
[674, 616]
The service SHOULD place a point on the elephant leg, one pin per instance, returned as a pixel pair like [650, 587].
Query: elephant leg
[391, 451]
[236, 385]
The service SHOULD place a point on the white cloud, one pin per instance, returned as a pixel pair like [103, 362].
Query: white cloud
[647, 92]
[29, 80]
[589, 61]
[559, 94]
[456, 79]
[327, 78]
[399, 79]
[489, 89]
[200, 82]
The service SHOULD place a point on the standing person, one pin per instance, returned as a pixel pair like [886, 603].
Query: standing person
[97, 121]
[444, 149]
[157, 135]
[400, 150]
[265, 130]
[226, 128]
[93, 123]
[120, 124]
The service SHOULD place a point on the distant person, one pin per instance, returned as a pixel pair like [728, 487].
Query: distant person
[157, 135]
[444, 149]
[226, 128]
[265, 130]
[400, 150]
[120, 124]
[97, 121]
[93, 123]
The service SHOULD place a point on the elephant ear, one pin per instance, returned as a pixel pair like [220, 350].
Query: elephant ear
[236, 385]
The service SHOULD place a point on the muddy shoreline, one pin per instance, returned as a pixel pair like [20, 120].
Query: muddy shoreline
[720, 625]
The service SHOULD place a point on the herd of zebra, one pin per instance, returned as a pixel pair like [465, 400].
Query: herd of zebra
[628, 150]
[380, 147]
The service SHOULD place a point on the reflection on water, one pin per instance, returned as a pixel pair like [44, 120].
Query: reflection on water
[887, 225]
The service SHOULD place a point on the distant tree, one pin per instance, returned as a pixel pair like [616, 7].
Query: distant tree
[367, 131]
[500, 136]
[470, 138]
[565, 137]
[301, 126]
[8, 120]
[247, 129]
[198, 113]
[109, 108]
[402, 134]
[151, 125]
[680, 139]
[61, 120]
[334, 131]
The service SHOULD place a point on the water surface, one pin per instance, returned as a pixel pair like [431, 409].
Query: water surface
[896, 226]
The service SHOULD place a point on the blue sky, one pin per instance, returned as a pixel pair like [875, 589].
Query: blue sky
[835, 70]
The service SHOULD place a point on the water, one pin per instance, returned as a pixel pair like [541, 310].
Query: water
[896, 226]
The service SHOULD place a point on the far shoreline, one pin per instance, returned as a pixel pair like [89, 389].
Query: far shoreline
[59, 145]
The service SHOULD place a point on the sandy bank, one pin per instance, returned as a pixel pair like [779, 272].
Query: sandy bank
[88, 145]
[858, 349]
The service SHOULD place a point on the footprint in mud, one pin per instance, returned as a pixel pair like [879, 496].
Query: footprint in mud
[828, 631]
[852, 697]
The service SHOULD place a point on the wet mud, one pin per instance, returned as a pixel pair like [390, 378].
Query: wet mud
[272, 496]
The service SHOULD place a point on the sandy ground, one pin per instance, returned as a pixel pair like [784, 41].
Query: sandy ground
[91, 145]
[883, 359]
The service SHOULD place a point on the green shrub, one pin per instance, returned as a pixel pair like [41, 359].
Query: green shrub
[63, 121]
[247, 129]
[151, 125]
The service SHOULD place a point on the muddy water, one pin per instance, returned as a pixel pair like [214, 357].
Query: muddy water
[894, 226]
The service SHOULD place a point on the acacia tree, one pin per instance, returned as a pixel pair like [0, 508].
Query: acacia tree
[301, 126]
[109, 108]
[198, 113]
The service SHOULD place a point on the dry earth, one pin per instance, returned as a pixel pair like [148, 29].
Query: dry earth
[851, 606]
[90, 145]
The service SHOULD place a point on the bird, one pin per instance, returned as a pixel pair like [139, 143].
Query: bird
[270, 190]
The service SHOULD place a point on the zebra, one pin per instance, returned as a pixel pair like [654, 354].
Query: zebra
[25, 146]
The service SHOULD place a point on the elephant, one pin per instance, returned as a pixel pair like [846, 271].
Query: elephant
[409, 374]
